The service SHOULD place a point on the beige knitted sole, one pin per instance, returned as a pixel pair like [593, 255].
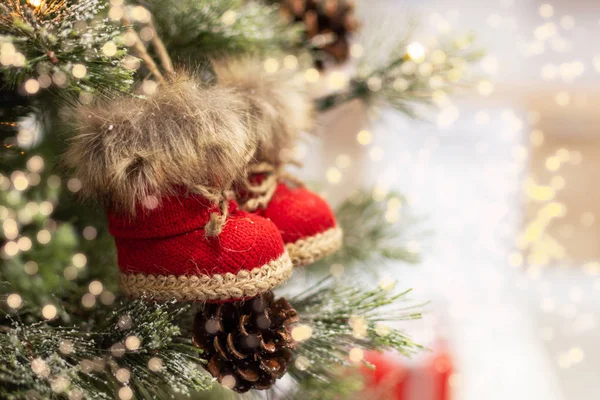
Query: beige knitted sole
[216, 287]
[308, 250]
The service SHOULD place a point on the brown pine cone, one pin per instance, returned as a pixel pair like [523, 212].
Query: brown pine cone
[329, 24]
[247, 344]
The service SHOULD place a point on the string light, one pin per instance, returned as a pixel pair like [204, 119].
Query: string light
[75, 394]
[49, 311]
[131, 63]
[59, 384]
[60, 78]
[485, 87]
[74, 185]
[364, 137]
[140, 14]
[229, 17]
[125, 393]
[79, 260]
[129, 39]
[95, 288]
[14, 301]
[107, 298]
[356, 50]
[312, 75]
[155, 364]
[228, 381]
[546, 11]
[132, 343]
[24, 244]
[44, 236]
[356, 355]
[109, 49]
[416, 52]
[149, 87]
[88, 300]
[337, 80]
[301, 333]
[70, 273]
[40, 367]
[116, 13]
[290, 61]
[117, 350]
[31, 86]
[374, 83]
[31, 267]
[302, 363]
[66, 347]
[45, 208]
[124, 322]
[147, 34]
[123, 375]
[400, 84]
[271, 65]
[79, 71]
[562, 99]
[333, 175]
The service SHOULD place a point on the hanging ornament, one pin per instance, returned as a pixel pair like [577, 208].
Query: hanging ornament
[280, 111]
[246, 344]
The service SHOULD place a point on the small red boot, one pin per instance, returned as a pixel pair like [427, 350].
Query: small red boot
[162, 166]
[280, 111]
[306, 222]
[166, 252]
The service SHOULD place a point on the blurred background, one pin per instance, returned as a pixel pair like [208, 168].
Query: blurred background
[504, 178]
[497, 182]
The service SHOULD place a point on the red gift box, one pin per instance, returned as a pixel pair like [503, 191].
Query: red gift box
[397, 378]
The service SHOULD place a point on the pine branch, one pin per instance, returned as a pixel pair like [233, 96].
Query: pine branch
[374, 231]
[345, 322]
[61, 45]
[46, 260]
[402, 80]
[327, 309]
[143, 340]
[194, 30]
[137, 347]
[89, 349]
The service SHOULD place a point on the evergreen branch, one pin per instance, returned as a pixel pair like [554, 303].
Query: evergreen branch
[141, 346]
[328, 308]
[194, 30]
[137, 346]
[345, 319]
[402, 80]
[42, 270]
[46, 42]
[374, 231]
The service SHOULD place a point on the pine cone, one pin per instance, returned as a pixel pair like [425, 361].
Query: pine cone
[247, 340]
[332, 19]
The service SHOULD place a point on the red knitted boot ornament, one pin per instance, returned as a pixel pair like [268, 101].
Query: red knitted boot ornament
[162, 166]
[164, 252]
[280, 110]
[305, 220]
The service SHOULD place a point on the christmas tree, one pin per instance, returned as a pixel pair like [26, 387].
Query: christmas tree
[172, 113]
